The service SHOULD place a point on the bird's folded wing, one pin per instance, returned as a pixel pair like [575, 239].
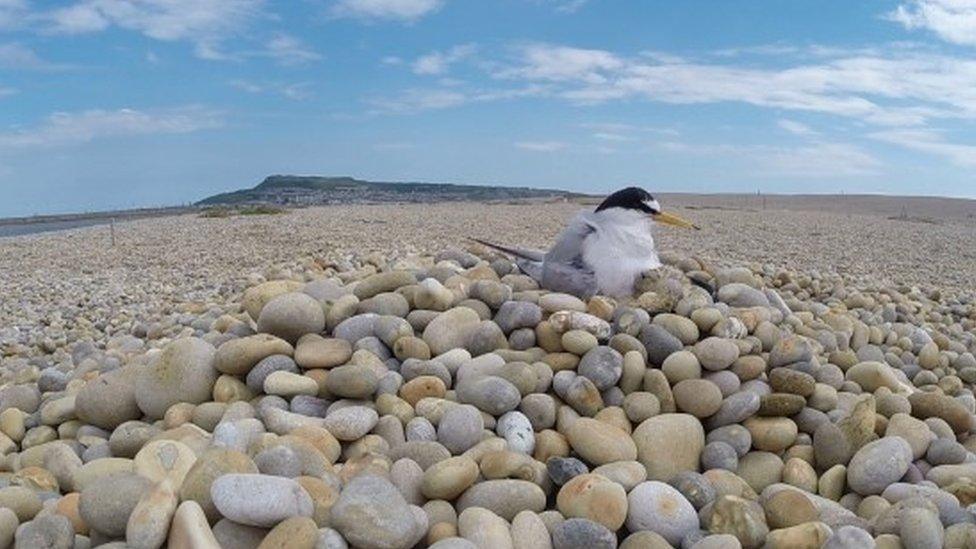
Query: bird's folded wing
[568, 248]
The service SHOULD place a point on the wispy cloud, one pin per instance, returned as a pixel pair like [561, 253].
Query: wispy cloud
[6, 92]
[298, 91]
[12, 13]
[541, 146]
[290, 51]
[930, 142]
[407, 11]
[794, 127]
[414, 100]
[951, 20]
[815, 161]
[205, 23]
[16, 56]
[607, 136]
[904, 88]
[437, 62]
[64, 128]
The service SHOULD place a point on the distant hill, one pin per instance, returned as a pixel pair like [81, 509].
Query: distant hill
[313, 190]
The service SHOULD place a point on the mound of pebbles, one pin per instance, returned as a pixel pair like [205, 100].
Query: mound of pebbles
[449, 402]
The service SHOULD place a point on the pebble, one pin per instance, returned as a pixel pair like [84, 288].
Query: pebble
[579, 533]
[599, 443]
[460, 428]
[183, 372]
[878, 464]
[371, 512]
[668, 444]
[659, 508]
[291, 315]
[259, 500]
[594, 497]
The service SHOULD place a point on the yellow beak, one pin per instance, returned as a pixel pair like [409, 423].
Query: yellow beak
[674, 220]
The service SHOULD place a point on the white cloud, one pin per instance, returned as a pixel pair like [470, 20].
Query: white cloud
[952, 20]
[63, 128]
[930, 142]
[816, 161]
[392, 60]
[12, 13]
[903, 88]
[794, 127]
[608, 136]
[205, 23]
[402, 10]
[416, 100]
[438, 62]
[14, 55]
[299, 91]
[288, 50]
[541, 146]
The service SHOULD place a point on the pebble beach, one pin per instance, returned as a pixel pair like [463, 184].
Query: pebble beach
[364, 376]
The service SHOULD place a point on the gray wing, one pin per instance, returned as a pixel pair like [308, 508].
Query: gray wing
[563, 269]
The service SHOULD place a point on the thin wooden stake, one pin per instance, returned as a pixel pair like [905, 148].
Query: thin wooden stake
[112, 224]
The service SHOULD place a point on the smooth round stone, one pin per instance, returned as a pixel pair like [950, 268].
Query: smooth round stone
[785, 380]
[168, 460]
[715, 353]
[943, 451]
[680, 366]
[698, 397]
[350, 423]
[383, 282]
[849, 537]
[735, 435]
[506, 498]
[579, 533]
[8, 526]
[760, 469]
[182, 372]
[878, 464]
[513, 315]
[554, 302]
[289, 384]
[603, 366]
[872, 375]
[594, 497]
[256, 297]
[54, 531]
[530, 531]
[680, 327]
[668, 444]
[275, 363]
[781, 404]
[290, 316]
[659, 508]
[788, 508]
[450, 329]
[352, 381]
[517, 431]
[213, 464]
[579, 342]
[449, 478]
[106, 505]
[600, 443]
[563, 469]
[697, 489]
[735, 409]
[109, 400]
[659, 343]
[952, 411]
[719, 455]
[315, 351]
[460, 428]
[238, 356]
[771, 434]
[490, 394]
[260, 500]
[484, 528]
[914, 431]
[921, 528]
[739, 517]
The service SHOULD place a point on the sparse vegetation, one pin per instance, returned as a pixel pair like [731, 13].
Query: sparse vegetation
[222, 212]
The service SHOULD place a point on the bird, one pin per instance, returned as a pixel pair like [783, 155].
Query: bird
[605, 251]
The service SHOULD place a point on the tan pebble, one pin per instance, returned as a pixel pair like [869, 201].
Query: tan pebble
[67, 506]
[292, 533]
[594, 497]
[190, 528]
[422, 387]
[599, 443]
[549, 443]
[810, 535]
[439, 531]
[447, 479]
[289, 384]
[788, 508]
[149, 521]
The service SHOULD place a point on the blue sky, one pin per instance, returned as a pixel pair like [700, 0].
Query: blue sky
[123, 103]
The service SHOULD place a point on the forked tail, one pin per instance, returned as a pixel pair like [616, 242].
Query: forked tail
[530, 255]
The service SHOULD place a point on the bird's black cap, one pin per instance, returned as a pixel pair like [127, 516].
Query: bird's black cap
[631, 198]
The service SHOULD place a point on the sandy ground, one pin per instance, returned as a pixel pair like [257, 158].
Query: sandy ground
[160, 262]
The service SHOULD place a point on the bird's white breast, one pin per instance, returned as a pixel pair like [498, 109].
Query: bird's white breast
[620, 250]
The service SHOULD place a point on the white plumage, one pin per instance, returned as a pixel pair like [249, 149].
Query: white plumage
[605, 251]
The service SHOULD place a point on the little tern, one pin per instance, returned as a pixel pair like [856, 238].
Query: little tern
[600, 252]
